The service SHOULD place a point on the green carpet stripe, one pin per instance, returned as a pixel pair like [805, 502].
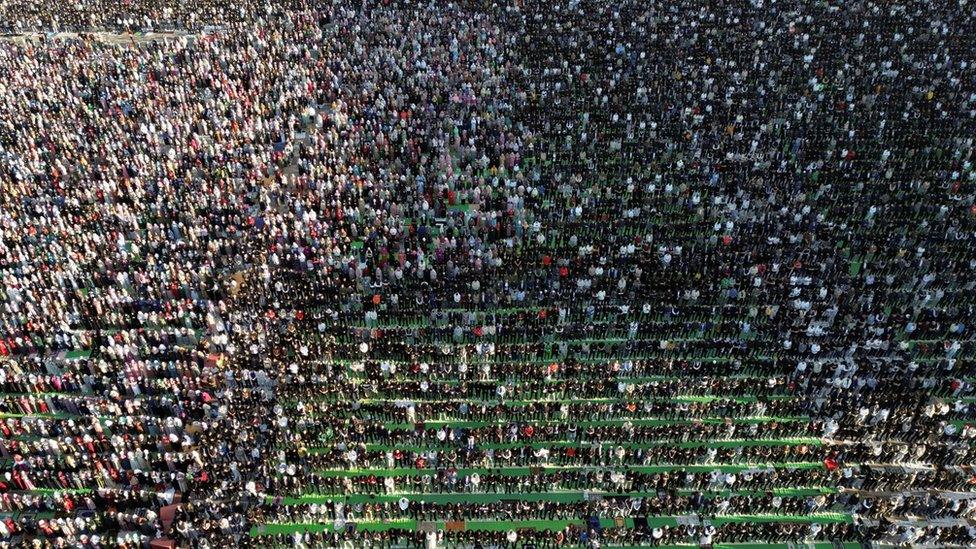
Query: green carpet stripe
[646, 422]
[735, 443]
[555, 496]
[552, 525]
[525, 471]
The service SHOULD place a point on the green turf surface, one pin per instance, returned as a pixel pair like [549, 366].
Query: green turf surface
[747, 399]
[50, 491]
[636, 421]
[526, 471]
[552, 525]
[568, 496]
[735, 443]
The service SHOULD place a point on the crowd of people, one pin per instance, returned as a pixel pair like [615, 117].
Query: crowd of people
[397, 273]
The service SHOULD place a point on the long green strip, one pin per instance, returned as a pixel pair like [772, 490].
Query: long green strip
[555, 496]
[526, 471]
[552, 525]
[646, 422]
[735, 443]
